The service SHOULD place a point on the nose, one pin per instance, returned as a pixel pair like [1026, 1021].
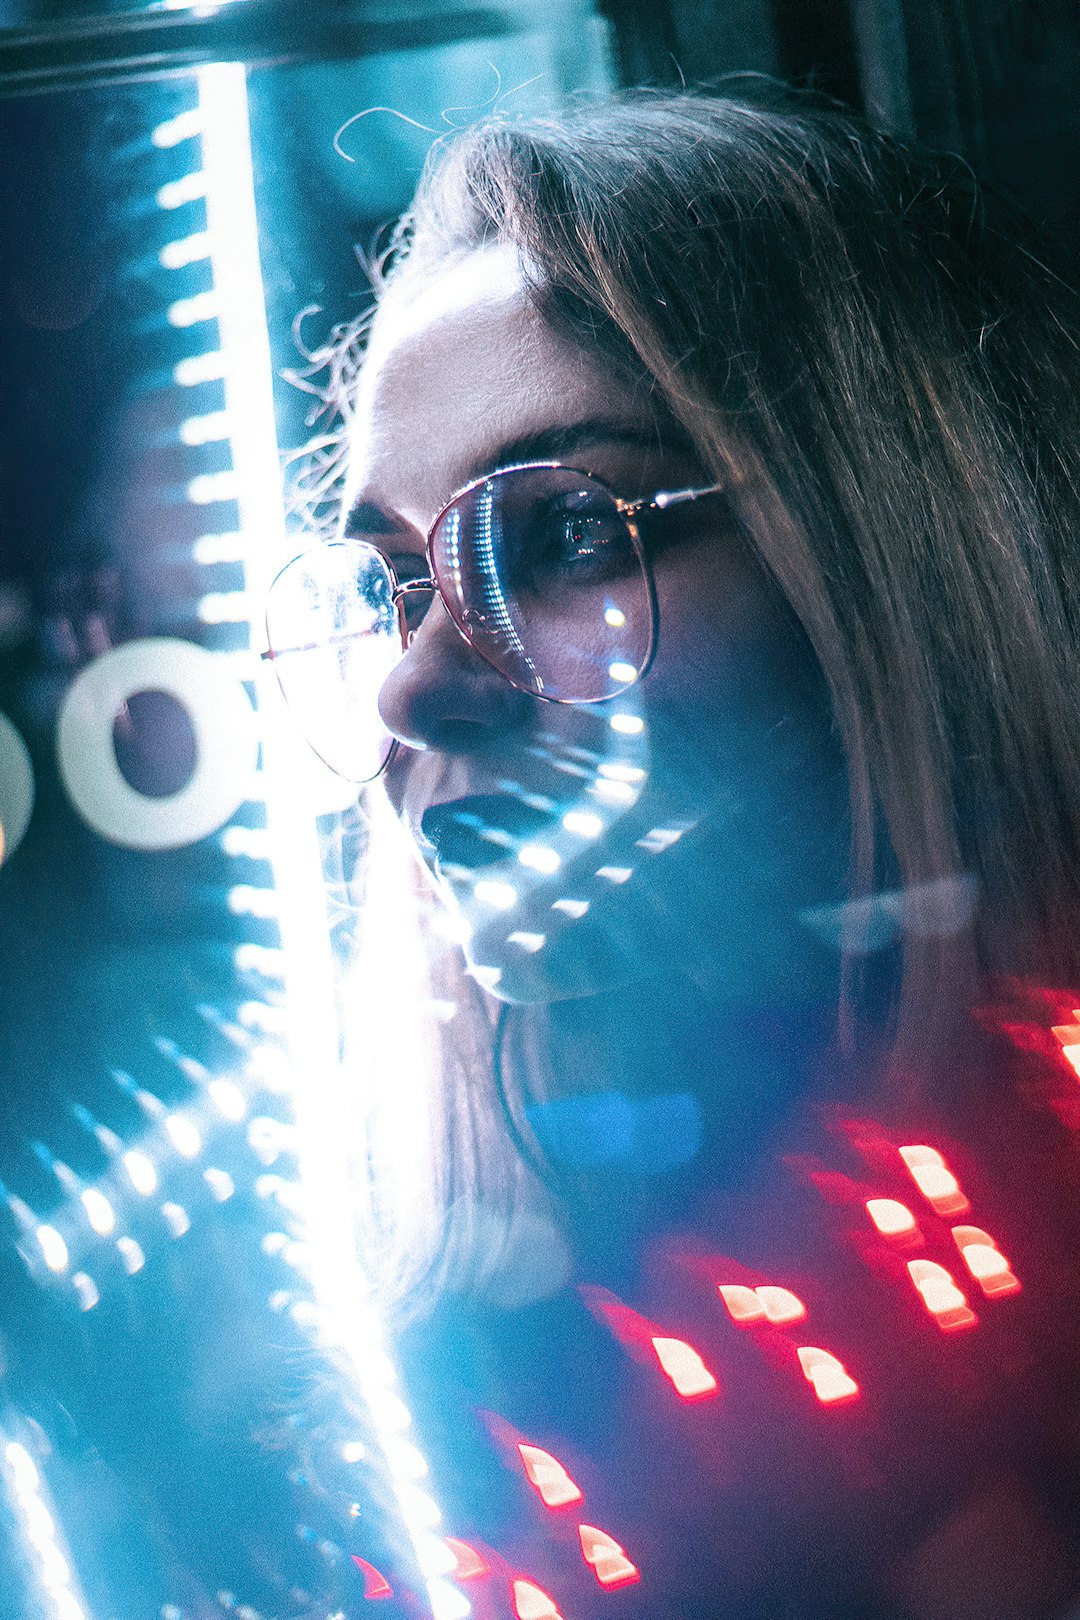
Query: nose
[443, 695]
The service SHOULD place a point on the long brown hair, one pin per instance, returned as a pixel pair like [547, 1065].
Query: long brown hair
[886, 363]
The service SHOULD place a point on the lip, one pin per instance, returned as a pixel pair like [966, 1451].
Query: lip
[478, 830]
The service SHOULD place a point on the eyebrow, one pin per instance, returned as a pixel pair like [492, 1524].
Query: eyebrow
[547, 444]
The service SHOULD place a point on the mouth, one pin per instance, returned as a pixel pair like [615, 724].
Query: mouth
[480, 829]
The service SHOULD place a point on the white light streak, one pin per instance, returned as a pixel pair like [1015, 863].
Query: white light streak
[615, 617]
[174, 130]
[583, 823]
[229, 1100]
[220, 1183]
[210, 428]
[210, 487]
[492, 892]
[622, 672]
[189, 188]
[185, 250]
[184, 1135]
[131, 1255]
[86, 1290]
[53, 1247]
[47, 1561]
[218, 548]
[99, 1212]
[627, 725]
[319, 1090]
[177, 1219]
[141, 1172]
[539, 858]
[199, 368]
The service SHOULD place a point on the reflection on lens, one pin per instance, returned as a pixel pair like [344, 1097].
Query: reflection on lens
[545, 577]
[333, 631]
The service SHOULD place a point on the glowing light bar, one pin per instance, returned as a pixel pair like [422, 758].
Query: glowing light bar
[688, 1374]
[190, 311]
[830, 1378]
[942, 1298]
[627, 725]
[141, 1172]
[985, 1261]
[1068, 1037]
[765, 1304]
[321, 1094]
[615, 874]
[99, 1212]
[934, 1180]
[525, 941]
[177, 1219]
[46, 1557]
[184, 1135]
[781, 1305]
[575, 909]
[548, 1477]
[531, 1602]
[209, 488]
[210, 428]
[178, 192]
[743, 1304]
[174, 130]
[890, 1216]
[53, 1248]
[131, 1255]
[185, 250]
[539, 858]
[199, 368]
[608, 1560]
[86, 1290]
[623, 673]
[491, 892]
[583, 823]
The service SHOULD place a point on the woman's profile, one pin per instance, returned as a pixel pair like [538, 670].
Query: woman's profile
[705, 602]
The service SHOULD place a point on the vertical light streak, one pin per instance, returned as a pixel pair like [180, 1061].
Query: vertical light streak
[46, 1556]
[320, 1089]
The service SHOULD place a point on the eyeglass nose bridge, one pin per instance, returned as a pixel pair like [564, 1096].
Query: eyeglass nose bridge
[411, 587]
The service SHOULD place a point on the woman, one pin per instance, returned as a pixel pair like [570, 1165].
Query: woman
[737, 725]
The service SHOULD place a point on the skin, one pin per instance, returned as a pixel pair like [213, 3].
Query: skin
[735, 754]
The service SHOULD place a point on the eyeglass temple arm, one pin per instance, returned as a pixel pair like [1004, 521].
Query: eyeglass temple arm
[671, 497]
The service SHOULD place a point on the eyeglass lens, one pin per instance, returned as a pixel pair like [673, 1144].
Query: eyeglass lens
[333, 629]
[537, 566]
[544, 577]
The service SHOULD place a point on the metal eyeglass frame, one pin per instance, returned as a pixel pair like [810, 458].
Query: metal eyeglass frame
[630, 511]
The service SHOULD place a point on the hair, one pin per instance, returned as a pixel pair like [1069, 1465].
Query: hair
[885, 363]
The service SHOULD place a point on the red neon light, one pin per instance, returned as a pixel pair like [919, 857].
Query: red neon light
[935, 1180]
[548, 1477]
[766, 1304]
[985, 1261]
[890, 1216]
[684, 1367]
[532, 1602]
[831, 1380]
[781, 1305]
[1068, 1036]
[609, 1562]
[743, 1304]
[375, 1584]
[468, 1564]
[942, 1298]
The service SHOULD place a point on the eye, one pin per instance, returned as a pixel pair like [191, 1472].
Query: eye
[579, 537]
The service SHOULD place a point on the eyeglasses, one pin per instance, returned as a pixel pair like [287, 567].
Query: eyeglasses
[542, 571]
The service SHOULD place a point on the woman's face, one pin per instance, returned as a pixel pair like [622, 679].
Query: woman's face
[679, 829]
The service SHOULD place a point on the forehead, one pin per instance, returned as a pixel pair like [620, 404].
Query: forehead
[456, 369]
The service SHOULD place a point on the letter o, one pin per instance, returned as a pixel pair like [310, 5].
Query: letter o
[16, 789]
[226, 744]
